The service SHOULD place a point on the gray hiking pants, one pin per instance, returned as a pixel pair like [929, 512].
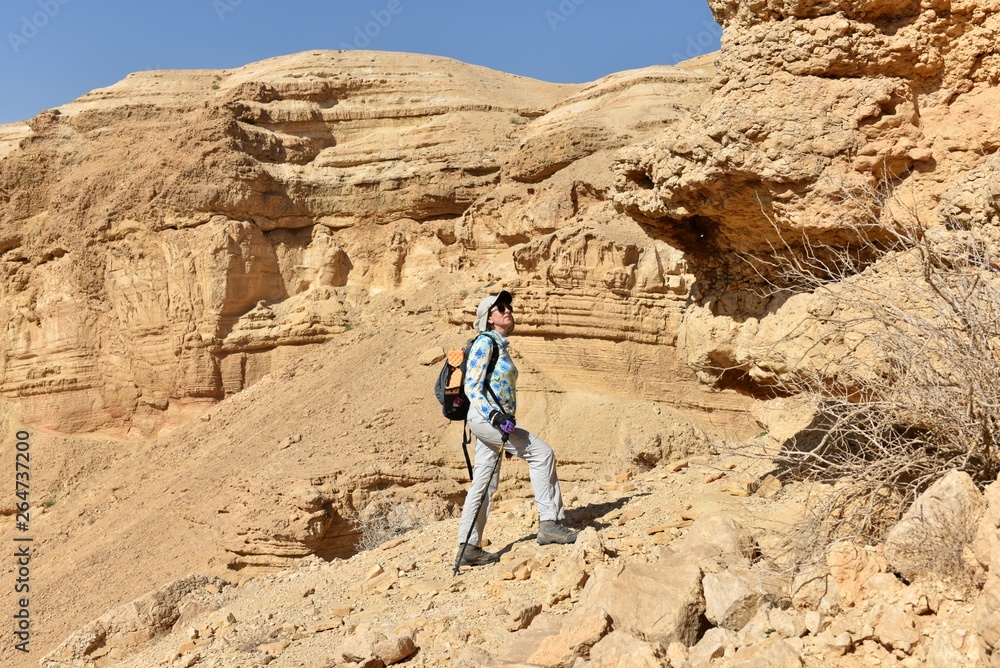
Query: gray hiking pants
[541, 467]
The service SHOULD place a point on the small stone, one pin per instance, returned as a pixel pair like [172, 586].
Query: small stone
[769, 487]
[674, 467]
[787, 623]
[273, 648]
[711, 646]
[632, 514]
[188, 661]
[741, 487]
[897, 629]
[374, 572]
[835, 645]
[677, 653]
[814, 622]
[581, 631]
[329, 625]
[524, 616]
[512, 569]
[431, 356]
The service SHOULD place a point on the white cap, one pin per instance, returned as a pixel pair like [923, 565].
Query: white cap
[487, 303]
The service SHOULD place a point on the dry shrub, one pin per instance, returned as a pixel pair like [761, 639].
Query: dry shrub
[916, 312]
[383, 519]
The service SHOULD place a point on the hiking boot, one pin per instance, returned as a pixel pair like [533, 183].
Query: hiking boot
[550, 531]
[477, 556]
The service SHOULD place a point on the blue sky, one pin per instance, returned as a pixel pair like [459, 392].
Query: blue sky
[56, 50]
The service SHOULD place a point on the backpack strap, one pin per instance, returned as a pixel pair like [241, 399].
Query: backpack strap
[490, 368]
[466, 439]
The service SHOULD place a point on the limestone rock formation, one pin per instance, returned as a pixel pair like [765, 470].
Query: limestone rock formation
[163, 238]
[166, 239]
[816, 102]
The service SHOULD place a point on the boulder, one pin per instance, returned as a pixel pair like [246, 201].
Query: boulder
[660, 602]
[730, 599]
[620, 649]
[584, 627]
[776, 653]
[897, 628]
[931, 538]
[716, 537]
[369, 646]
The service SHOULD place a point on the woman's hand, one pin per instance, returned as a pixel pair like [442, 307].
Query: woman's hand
[503, 422]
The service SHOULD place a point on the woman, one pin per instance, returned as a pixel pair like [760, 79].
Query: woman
[492, 421]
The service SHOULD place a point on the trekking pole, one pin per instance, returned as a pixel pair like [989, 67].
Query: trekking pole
[482, 502]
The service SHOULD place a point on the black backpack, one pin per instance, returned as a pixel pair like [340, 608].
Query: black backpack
[450, 389]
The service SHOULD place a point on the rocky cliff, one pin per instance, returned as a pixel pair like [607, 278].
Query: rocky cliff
[165, 240]
[815, 102]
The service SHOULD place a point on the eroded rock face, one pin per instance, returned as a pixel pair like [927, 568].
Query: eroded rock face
[126, 629]
[166, 239]
[817, 105]
[813, 96]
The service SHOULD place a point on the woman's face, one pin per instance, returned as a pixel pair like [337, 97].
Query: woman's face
[502, 317]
